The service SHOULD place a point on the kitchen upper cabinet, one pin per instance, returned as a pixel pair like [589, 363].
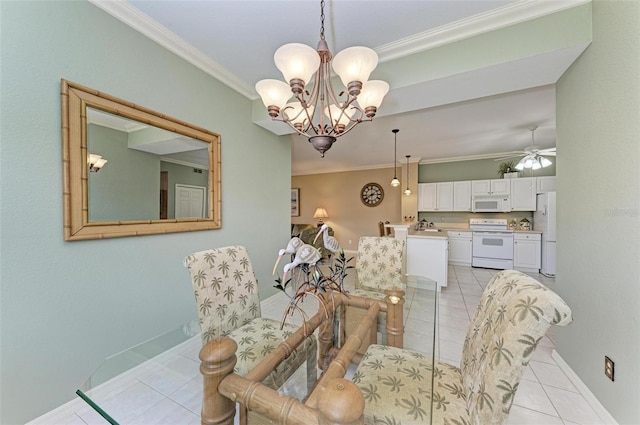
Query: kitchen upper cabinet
[526, 252]
[435, 196]
[546, 184]
[491, 187]
[462, 196]
[523, 194]
[460, 245]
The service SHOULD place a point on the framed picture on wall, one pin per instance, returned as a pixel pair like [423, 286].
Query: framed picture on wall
[295, 202]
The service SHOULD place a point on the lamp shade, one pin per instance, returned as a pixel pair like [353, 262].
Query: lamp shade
[273, 92]
[295, 113]
[336, 114]
[320, 213]
[355, 64]
[297, 61]
[544, 162]
[372, 93]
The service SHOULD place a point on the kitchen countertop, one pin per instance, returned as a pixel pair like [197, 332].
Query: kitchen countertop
[443, 233]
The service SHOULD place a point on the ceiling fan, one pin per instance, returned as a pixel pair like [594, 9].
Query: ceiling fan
[532, 157]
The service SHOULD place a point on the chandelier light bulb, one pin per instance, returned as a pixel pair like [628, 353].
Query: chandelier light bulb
[297, 61]
[355, 64]
[274, 93]
[296, 114]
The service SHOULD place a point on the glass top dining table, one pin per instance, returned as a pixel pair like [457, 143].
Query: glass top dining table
[159, 380]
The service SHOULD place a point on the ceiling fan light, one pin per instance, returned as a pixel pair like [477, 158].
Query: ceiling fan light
[520, 165]
[297, 61]
[355, 64]
[545, 162]
[535, 164]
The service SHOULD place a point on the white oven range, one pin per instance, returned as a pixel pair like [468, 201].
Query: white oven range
[492, 245]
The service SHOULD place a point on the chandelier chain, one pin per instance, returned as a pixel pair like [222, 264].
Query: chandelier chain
[322, 20]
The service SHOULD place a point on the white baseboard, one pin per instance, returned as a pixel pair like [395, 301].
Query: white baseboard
[583, 389]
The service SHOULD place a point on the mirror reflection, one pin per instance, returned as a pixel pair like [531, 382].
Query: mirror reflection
[149, 173]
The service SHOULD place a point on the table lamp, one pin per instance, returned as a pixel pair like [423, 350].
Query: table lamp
[320, 214]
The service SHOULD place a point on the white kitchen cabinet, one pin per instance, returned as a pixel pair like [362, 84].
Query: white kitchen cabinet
[546, 184]
[491, 187]
[428, 256]
[460, 244]
[462, 196]
[523, 194]
[435, 196]
[526, 252]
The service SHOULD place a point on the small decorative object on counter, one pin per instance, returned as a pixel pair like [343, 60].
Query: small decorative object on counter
[513, 225]
[409, 218]
[525, 224]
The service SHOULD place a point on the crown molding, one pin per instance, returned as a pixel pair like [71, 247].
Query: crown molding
[469, 157]
[137, 20]
[511, 14]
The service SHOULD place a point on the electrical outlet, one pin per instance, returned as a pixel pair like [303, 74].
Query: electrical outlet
[349, 241]
[608, 367]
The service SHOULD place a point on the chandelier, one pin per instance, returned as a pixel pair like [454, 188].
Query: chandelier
[317, 112]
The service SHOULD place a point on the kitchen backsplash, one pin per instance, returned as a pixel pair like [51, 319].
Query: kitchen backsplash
[461, 219]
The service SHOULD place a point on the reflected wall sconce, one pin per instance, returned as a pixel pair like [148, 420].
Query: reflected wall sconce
[96, 162]
[320, 214]
[407, 190]
[395, 182]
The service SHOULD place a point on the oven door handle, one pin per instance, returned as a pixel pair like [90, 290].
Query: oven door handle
[494, 233]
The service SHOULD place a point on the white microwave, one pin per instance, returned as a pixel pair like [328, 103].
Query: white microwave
[491, 203]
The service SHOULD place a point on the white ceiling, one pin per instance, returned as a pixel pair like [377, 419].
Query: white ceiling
[448, 118]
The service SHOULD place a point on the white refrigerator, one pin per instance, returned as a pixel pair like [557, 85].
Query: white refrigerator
[544, 220]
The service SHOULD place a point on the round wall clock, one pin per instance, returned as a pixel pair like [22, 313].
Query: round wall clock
[371, 194]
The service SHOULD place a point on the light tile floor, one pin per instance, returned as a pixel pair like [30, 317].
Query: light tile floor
[173, 386]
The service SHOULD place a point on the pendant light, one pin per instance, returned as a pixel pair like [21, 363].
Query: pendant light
[395, 182]
[407, 190]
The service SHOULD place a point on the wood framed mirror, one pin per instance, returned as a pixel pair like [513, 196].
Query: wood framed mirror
[161, 175]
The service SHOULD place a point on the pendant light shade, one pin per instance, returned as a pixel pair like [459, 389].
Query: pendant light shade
[395, 182]
[407, 190]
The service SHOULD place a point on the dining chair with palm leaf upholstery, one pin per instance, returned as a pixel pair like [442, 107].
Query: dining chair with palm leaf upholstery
[226, 292]
[514, 314]
[378, 267]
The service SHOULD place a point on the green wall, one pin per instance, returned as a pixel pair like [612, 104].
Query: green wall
[127, 187]
[477, 169]
[65, 306]
[598, 105]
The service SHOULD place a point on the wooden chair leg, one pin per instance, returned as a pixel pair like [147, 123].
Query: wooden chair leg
[395, 316]
[218, 358]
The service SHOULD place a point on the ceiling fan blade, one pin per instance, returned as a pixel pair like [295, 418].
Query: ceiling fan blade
[542, 153]
[547, 150]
